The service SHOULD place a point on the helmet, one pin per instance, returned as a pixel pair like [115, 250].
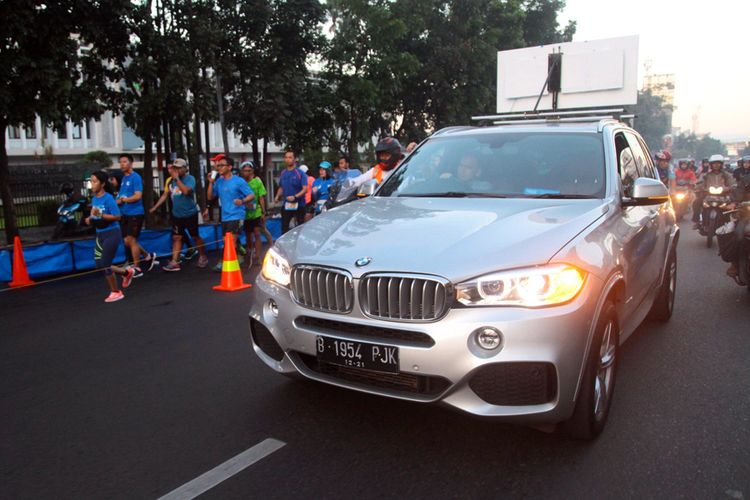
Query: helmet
[683, 164]
[325, 164]
[667, 155]
[66, 188]
[303, 168]
[746, 160]
[660, 156]
[715, 158]
[390, 145]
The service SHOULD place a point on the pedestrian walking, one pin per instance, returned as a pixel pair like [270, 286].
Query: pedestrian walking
[184, 217]
[254, 219]
[105, 217]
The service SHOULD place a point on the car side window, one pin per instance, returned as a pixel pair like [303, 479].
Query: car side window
[626, 165]
[641, 158]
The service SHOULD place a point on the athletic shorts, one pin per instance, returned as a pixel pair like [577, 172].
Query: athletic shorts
[130, 225]
[182, 224]
[251, 224]
[231, 226]
[105, 249]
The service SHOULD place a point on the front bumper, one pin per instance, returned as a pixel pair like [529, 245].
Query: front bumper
[543, 350]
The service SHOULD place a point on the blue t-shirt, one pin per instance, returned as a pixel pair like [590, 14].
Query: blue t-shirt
[183, 205]
[291, 182]
[128, 186]
[228, 190]
[107, 204]
[320, 189]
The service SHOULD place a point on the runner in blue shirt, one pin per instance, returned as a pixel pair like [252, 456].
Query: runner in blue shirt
[181, 187]
[292, 187]
[105, 215]
[130, 201]
[233, 193]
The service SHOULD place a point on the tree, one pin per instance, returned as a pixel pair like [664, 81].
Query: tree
[60, 61]
[97, 160]
[652, 119]
[698, 147]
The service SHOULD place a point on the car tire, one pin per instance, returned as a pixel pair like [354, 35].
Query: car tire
[663, 306]
[598, 384]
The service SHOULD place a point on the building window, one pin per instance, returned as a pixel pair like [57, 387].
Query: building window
[31, 133]
[77, 131]
[14, 133]
[62, 131]
[89, 128]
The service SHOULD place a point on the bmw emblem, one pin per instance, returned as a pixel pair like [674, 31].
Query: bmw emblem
[363, 261]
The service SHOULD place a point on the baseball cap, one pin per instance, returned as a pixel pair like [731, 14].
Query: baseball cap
[325, 164]
[218, 157]
[180, 163]
[303, 168]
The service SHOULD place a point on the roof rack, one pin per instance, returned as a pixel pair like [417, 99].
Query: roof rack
[580, 115]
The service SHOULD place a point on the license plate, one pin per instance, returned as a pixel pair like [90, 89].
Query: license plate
[382, 358]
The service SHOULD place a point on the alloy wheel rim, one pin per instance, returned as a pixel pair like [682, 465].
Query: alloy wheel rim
[605, 372]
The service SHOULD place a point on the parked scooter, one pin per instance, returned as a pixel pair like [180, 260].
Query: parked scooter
[68, 225]
[712, 215]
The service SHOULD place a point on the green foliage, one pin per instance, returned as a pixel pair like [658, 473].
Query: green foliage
[95, 160]
[652, 119]
[698, 147]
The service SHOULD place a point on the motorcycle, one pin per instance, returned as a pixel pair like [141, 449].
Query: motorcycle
[712, 215]
[682, 199]
[67, 224]
[742, 234]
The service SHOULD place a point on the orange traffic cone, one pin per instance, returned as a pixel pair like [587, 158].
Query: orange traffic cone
[231, 277]
[20, 273]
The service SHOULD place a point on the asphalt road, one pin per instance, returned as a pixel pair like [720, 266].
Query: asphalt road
[135, 399]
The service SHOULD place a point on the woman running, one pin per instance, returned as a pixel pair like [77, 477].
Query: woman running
[105, 217]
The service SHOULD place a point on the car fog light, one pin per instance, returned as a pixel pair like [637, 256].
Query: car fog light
[273, 308]
[488, 338]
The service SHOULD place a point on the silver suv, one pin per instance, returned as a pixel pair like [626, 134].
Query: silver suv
[497, 271]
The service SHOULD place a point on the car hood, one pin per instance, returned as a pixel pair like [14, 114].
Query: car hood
[454, 238]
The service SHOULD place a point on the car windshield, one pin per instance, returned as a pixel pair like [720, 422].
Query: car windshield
[504, 165]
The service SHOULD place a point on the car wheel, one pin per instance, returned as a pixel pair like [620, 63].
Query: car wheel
[664, 303]
[598, 384]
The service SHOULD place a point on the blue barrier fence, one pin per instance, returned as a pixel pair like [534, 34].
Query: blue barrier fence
[65, 257]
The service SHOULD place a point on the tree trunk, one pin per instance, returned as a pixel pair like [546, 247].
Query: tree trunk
[353, 152]
[9, 208]
[167, 142]
[256, 152]
[148, 176]
[195, 161]
[220, 105]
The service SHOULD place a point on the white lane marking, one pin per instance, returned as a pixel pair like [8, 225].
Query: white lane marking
[206, 481]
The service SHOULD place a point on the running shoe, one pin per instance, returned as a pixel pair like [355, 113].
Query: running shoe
[115, 296]
[137, 273]
[217, 267]
[152, 261]
[172, 266]
[129, 275]
[190, 254]
[202, 262]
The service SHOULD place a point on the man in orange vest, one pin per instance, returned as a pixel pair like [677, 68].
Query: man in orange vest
[389, 154]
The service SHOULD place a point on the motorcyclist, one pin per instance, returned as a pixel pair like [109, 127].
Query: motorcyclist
[71, 196]
[715, 177]
[665, 170]
[389, 154]
[691, 165]
[743, 168]
[728, 248]
[703, 169]
[684, 175]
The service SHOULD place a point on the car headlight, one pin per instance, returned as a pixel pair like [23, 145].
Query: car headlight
[276, 268]
[680, 196]
[531, 287]
[715, 190]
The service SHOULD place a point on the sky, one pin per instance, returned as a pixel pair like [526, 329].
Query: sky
[705, 44]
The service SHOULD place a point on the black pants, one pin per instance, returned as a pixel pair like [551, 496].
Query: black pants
[698, 206]
[286, 217]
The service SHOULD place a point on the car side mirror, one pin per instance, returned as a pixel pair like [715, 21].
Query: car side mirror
[367, 189]
[647, 191]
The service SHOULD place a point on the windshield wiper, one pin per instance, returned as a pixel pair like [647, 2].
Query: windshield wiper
[554, 196]
[448, 194]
